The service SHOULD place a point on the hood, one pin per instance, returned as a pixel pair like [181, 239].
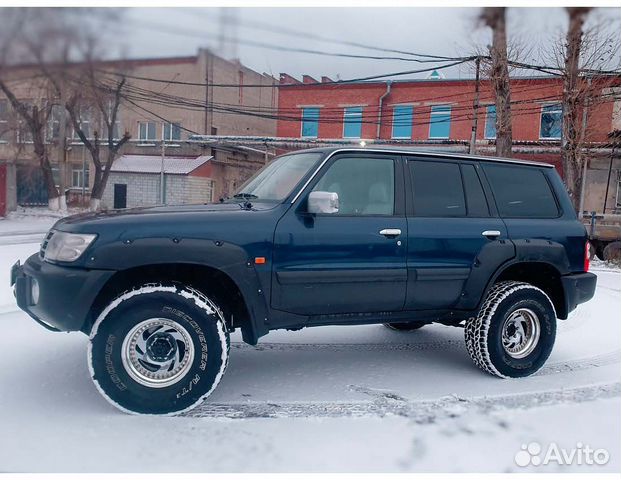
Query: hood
[143, 215]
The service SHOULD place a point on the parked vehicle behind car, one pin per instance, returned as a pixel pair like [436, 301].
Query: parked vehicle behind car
[345, 236]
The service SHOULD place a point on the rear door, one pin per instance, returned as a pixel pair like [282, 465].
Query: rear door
[350, 261]
[450, 224]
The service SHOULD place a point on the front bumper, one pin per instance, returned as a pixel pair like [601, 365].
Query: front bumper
[65, 294]
[578, 288]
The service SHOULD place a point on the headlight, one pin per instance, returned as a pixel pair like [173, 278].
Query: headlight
[67, 247]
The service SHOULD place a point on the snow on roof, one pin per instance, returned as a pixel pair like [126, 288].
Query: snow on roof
[153, 164]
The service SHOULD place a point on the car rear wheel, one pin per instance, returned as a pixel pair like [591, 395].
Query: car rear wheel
[158, 349]
[514, 332]
[405, 326]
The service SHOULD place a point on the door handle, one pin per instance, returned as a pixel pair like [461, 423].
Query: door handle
[390, 232]
[491, 234]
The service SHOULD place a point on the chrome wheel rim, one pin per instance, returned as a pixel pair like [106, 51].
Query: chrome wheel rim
[520, 333]
[157, 352]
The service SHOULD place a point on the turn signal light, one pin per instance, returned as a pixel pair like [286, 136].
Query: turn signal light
[259, 260]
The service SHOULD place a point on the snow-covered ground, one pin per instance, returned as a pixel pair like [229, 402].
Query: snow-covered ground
[364, 399]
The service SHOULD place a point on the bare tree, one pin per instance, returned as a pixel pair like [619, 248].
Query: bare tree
[583, 56]
[88, 94]
[53, 42]
[572, 103]
[494, 17]
[34, 37]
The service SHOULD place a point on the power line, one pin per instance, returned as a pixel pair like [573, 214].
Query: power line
[166, 28]
[313, 36]
[190, 104]
[278, 85]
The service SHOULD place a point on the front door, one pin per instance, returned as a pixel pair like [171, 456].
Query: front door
[454, 233]
[352, 260]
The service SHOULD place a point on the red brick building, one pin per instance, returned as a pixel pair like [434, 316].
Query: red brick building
[435, 112]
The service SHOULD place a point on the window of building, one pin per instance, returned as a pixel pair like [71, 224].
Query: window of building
[4, 121]
[85, 123]
[438, 189]
[24, 134]
[172, 132]
[53, 123]
[352, 122]
[79, 178]
[521, 192]
[365, 186]
[440, 121]
[116, 131]
[56, 175]
[402, 121]
[490, 121]
[146, 131]
[310, 122]
[551, 121]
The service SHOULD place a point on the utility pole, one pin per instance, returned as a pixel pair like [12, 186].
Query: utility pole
[162, 187]
[585, 160]
[83, 173]
[475, 107]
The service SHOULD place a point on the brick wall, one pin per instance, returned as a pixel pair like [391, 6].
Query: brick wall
[529, 96]
[144, 189]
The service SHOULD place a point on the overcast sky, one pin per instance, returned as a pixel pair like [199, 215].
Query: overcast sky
[154, 32]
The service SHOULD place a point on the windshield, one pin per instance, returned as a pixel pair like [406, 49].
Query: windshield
[275, 181]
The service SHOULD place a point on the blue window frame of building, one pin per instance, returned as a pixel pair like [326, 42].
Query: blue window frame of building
[352, 122]
[440, 121]
[551, 121]
[490, 121]
[310, 122]
[402, 121]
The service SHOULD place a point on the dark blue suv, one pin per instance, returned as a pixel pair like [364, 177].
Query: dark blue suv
[343, 236]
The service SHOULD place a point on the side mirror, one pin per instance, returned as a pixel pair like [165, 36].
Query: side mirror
[323, 202]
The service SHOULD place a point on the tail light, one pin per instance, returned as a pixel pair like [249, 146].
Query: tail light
[587, 255]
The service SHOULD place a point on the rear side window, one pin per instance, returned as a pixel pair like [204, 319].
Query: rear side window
[521, 192]
[438, 190]
[477, 204]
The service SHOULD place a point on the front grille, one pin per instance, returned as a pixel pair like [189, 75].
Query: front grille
[46, 240]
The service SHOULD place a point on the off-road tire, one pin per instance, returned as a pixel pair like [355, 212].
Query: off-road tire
[483, 333]
[405, 326]
[195, 314]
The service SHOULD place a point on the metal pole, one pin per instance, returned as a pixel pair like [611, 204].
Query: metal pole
[162, 199]
[83, 173]
[612, 156]
[475, 107]
[585, 161]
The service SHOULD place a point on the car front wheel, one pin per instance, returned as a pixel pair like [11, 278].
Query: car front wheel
[158, 349]
[514, 332]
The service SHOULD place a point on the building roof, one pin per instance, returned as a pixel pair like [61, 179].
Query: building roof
[153, 164]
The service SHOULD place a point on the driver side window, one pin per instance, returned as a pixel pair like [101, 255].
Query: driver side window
[365, 186]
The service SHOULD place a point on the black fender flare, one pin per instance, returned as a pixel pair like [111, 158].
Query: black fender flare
[548, 252]
[226, 257]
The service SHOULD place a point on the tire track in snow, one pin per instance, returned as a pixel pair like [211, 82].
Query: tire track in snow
[573, 365]
[385, 403]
